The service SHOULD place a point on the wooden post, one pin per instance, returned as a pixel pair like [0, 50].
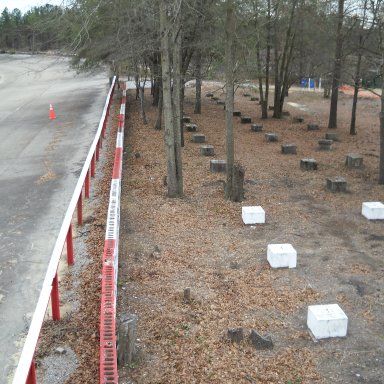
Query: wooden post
[126, 346]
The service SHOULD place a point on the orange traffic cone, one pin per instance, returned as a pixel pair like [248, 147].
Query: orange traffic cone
[51, 112]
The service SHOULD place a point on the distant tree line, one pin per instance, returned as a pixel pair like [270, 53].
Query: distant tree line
[168, 42]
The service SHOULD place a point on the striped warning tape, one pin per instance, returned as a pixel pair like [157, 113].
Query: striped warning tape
[108, 357]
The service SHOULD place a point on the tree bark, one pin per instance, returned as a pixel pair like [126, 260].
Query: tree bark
[337, 67]
[198, 83]
[159, 109]
[229, 77]
[172, 150]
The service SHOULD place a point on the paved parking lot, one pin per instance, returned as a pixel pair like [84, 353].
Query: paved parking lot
[40, 160]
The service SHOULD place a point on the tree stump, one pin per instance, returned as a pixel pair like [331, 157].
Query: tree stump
[325, 144]
[354, 160]
[256, 128]
[246, 95]
[186, 119]
[236, 113]
[218, 166]
[207, 150]
[235, 335]
[126, 346]
[337, 184]
[332, 136]
[198, 138]
[313, 127]
[288, 149]
[270, 137]
[209, 94]
[254, 99]
[308, 164]
[187, 295]
[260, 342]
[271, 107]
[191, 127]
[298, 119]
[245, 120]
[215, 98]
[220, 102]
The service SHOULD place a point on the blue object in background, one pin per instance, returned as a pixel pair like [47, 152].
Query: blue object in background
[304, 83]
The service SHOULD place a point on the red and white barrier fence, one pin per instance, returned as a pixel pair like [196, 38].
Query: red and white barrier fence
[108, 358]
[25, 371]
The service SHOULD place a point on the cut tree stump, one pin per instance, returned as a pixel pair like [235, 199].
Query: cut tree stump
[337, 184]
[218, 166]
[207, 150]
[236, 335]
[313, 127]
[260, 342]
[270, 137]
[287, 149]
[245, 120]
[187, 295]
[190, 127]
[256, 128]
[298, 119]
[236, 113]
[186, 119]
[325, 144]
[126, 346]
[254, 99]
[209, 94]
[332, 136]
[198, 138]
[354, 160]
[308, 164]
[271, 107]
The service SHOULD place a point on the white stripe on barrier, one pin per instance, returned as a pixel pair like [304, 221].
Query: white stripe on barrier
[113, 211]
[122, 109]
[119, 139]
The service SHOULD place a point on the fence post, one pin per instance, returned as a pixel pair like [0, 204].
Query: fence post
[55, 298]
[93, 166]
[86, 187]
[80, 209]
[70, 246]
[31, 379]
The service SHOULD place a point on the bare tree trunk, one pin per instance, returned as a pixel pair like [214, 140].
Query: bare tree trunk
[169, 125]
[198, 83]
[381, 166]
[159, 109]
[337, 68]
[178, 93]
[352, 129]
[229, 77]
[142, 107]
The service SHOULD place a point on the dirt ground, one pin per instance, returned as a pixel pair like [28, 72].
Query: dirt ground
[200, 242]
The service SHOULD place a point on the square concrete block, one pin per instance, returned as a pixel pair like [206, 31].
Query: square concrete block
[373, 210]
[253, 215]
[327, 321]
[281, 256]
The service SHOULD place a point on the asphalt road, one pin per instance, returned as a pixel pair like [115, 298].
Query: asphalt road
[40, 160]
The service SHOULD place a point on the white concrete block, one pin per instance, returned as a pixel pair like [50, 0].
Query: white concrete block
[327, 321]
[373, 210]
[281, 256]
[253, 215]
